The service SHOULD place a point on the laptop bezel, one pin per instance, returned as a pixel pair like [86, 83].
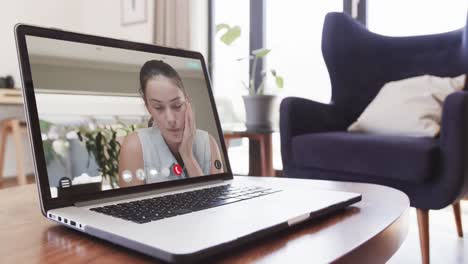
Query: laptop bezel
[39, 163]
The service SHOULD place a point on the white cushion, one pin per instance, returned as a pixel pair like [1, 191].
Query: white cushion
[409, 107]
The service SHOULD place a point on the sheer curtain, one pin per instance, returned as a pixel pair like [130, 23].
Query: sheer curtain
[172, 23]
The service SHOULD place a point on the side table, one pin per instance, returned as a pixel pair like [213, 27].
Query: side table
[260, 150]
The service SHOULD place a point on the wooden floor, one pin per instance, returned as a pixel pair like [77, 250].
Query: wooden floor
[446, 246]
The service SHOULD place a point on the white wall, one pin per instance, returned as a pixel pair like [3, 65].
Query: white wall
[103, 18]
[85, 16]
[50, 13]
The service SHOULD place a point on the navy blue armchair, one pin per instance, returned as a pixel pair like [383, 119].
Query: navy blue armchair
[314, 141]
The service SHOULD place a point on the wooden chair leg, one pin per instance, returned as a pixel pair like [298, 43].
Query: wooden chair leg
[423, 226]
[457, 214]
[17, 135]
[263, 162]
[3, 142]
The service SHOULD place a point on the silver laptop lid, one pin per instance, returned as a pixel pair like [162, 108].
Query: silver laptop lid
[111, 117]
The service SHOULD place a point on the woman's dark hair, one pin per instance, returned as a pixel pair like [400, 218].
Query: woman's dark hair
[154, 68]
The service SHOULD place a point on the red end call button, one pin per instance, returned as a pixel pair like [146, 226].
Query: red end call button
[177, 169]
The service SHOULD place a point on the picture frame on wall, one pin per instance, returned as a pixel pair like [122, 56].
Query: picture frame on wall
[133, 12]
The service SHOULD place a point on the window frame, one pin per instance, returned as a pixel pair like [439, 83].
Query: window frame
[257, 29]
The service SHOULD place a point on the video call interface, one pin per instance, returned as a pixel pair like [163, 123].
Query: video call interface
[113, 118]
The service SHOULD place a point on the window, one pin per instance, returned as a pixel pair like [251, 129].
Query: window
[294, 33]
[416, 17]
[228, 71]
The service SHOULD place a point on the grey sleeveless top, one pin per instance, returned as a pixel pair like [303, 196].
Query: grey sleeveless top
[159, 161]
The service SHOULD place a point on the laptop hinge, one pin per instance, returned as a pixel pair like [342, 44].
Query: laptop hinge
[140, 194]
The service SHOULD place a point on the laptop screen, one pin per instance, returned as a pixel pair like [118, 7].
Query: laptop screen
[115, 118]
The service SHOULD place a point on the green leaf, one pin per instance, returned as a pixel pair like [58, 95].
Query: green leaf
[98, 139]
[222, 26]
[261, 87]
[251, 88]
[245, 85]
[231, 35]
[45, 125]
[49, 153]
[279, 81]
[103, 147]
[260, 53]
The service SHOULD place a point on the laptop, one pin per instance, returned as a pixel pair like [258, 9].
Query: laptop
[128, 147]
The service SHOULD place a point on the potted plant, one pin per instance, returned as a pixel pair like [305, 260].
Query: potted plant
[258, 105]
[57, 147]
[102, 144]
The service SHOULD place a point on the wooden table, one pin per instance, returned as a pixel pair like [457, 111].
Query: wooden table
[260, 150]
[11, 104]
[371, 231]
[11, 122]
[11, 96]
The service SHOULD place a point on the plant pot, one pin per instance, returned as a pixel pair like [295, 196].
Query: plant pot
[259, 111]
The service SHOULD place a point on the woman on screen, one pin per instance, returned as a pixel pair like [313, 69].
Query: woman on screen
[171, 147]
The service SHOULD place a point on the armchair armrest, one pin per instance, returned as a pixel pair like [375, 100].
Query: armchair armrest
[454, 148]
[300, 116]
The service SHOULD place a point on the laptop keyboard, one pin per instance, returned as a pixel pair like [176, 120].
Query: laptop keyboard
[152, 209]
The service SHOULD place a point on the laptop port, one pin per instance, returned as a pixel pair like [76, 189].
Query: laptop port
[60, 219]
[72, 223]
[65, 221]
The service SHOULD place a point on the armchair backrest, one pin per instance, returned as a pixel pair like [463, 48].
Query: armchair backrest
[360, 62]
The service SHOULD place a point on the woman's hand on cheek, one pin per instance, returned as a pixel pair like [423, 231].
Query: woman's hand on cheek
[185, 148]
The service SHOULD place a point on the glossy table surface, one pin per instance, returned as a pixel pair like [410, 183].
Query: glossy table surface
[370, 231]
